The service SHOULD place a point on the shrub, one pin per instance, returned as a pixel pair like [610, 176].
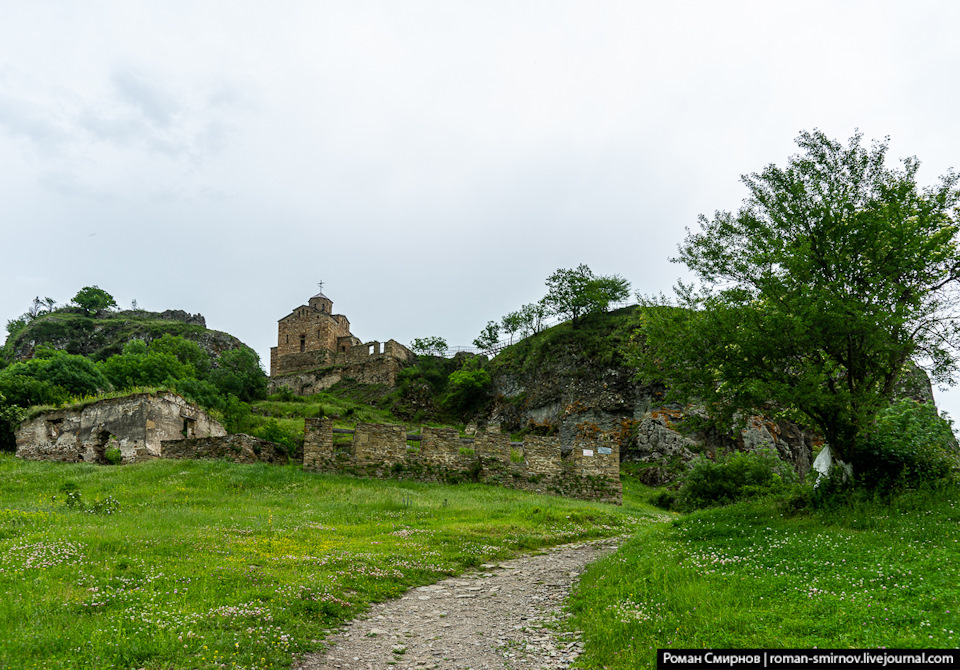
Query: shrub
[733, 477]
[238, 373]
[286, 394]
[664, 499]
[467, 390]
[273, 431]
[909, 445]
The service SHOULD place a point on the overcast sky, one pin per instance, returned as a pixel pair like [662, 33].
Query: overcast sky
[431, 162]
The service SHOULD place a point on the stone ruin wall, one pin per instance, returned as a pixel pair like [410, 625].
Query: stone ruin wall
[236, 447]
[314, 371]
[137, 425]
[589, 471]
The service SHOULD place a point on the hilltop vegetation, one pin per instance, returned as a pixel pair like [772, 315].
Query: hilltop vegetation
[56, 355]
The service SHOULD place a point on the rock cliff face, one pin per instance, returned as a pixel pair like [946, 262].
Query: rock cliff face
[576, 382]
[573, 396]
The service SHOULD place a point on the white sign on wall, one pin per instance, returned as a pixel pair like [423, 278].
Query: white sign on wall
[588, 452]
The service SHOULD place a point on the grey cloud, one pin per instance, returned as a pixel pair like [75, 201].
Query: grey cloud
[24, 119]
[64, 182]
[122, 131]
[154, 103]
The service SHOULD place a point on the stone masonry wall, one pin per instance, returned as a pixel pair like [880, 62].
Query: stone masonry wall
[590, 472]
[378, 370]
[237, 447]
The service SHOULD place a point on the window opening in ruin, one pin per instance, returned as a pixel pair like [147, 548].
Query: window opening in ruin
[303, 343]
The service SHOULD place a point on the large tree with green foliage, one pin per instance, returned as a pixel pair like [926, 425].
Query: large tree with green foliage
[238, 373]
[75, 375]
[833, 275]
[574, 294]
[93, 299]
[429, 346]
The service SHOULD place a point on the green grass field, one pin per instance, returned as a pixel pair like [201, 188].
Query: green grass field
[207, 564]
[864, 576]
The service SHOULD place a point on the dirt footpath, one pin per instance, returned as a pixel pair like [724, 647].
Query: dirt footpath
[497, 618]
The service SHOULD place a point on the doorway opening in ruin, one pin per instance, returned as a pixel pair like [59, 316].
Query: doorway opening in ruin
[100, 447]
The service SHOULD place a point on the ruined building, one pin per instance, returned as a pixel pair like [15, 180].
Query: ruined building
[590, 470]
[315, 349]
[137, 427]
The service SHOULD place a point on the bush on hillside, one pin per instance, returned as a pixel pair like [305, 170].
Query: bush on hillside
[139, 365]
[238, 373]
[733, 477]
[909, 445]
[466, 391]
[76, 375]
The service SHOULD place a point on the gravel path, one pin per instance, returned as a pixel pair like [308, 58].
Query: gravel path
[498, 618]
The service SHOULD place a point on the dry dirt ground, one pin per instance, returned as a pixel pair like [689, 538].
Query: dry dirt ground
[499, 617]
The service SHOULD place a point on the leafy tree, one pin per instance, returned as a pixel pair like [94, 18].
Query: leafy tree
[186, 351]
[14, 326]
[576, 293]
[512, 323]
[24, 391]
[93, 299]
[466, 390]
[238, 372]
[832, 276]
[76, 375]
[138, 365]
[10, 417]
[489, 337]
[532, 316]
[199, 391]
[237, 416]
[909, 445]
[429, 346]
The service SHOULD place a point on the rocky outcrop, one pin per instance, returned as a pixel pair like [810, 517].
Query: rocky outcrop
[571, 396]
[565, 391]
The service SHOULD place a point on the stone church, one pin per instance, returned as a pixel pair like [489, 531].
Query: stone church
[315, 349]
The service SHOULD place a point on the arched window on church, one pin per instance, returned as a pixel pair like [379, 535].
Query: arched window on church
[303, 343]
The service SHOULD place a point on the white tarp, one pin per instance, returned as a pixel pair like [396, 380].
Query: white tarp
[825, 462]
